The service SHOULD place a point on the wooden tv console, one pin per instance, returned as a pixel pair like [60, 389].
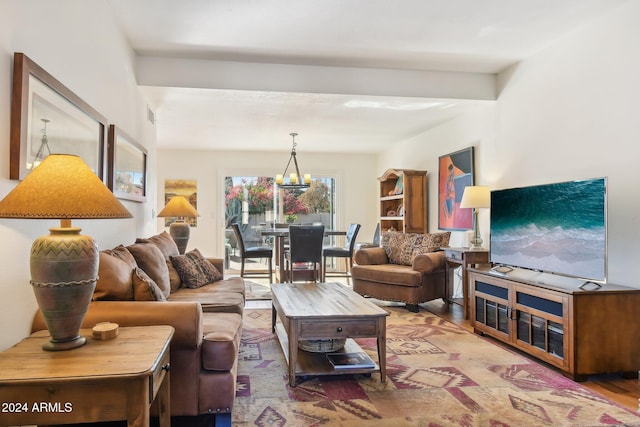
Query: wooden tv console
[582, 329]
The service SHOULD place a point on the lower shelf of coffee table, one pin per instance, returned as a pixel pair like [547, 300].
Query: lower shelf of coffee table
[310, 363]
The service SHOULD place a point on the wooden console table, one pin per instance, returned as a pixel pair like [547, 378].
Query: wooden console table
[109, 380]
[465, 258]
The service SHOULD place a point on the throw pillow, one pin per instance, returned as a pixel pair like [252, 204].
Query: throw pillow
[152, 261]
[168, 247]
[144, 288]
[194, 270]
[114, 279]
[431, 242]
[399, 246]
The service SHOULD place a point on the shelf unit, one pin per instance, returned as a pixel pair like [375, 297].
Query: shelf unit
[582, 330]
[409, 205]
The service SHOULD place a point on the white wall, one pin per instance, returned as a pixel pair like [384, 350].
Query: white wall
[79, 44]
[569, 112]
[355, 176]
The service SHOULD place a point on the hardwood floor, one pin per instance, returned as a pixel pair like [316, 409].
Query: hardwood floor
[625, 392]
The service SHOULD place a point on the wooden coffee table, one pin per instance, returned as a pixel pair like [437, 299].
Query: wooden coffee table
[312, 311]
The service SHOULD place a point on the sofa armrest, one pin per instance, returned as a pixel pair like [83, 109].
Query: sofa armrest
[185, 317]
[429, 262]
[371, 256]
[217, 263]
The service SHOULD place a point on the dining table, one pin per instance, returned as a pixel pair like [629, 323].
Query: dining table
[280, 235]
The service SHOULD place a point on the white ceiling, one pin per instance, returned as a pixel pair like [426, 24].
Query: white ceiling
[469, 36]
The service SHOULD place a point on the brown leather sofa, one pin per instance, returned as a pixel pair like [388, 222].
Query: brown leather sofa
[407, 267]
[207, 320]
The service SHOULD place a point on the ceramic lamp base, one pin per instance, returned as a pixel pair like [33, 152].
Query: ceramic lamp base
[64, 271]
[180, 231]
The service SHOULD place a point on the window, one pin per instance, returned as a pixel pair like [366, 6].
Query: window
[252, 202]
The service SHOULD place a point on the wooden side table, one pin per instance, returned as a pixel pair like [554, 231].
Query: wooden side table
[465, 258]
[109, 380]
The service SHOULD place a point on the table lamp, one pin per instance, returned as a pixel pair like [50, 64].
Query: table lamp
[64, 264]
[476, 197]
[180, 230]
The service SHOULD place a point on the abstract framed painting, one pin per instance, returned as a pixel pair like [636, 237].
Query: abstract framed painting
[47, 117]
[455, 173]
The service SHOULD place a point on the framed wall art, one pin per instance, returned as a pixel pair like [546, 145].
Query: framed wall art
[455, 172]
[47, 117]
[127, 176]
[181, 187]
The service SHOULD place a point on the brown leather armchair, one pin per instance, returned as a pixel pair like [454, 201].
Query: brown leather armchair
[424, 280]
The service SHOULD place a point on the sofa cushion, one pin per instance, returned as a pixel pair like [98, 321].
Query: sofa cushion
[114, 278]
[392, 274]
[152, 261]
[194, 270]
[230, 284]
[144, 288]
[221, 340]
[168, 247]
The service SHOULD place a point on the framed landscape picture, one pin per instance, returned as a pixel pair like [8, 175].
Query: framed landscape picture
[455, 172]
[127, 166]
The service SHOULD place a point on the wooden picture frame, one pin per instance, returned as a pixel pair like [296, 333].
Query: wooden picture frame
[127, 170]
[455, 173]
[47, 117]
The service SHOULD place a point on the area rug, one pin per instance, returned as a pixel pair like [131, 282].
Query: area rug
[256, 291]
[438, 374]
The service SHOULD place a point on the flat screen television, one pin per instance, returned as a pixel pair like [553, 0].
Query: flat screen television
[558, 228]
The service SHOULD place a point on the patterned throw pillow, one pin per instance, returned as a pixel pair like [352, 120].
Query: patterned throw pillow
[430, 242]
[398, 246]
[402, 248]
[194, 270]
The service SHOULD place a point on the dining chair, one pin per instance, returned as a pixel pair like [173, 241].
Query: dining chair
[374, 243]
[305, 247]
[346, 252]
[253, 252]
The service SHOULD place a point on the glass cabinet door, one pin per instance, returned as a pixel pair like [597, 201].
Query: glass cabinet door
[538, 323]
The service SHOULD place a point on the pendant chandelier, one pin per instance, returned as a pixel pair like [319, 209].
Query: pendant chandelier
[295, 179]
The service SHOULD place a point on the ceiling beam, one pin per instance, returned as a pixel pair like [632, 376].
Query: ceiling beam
[213, 74]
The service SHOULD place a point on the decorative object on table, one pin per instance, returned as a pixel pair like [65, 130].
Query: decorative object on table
[64, 264]
[455, 172]
[296, 180]
[323, 345]
[358, 359]
[179, 208]
[398, 188]
[127, 171]
[476, 197]
[105, 331]
[72, 126]
[290, 218]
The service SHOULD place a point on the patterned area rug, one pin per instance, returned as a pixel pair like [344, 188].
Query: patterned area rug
[438, 375]
[256, 291]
